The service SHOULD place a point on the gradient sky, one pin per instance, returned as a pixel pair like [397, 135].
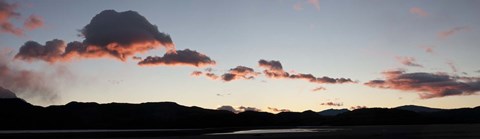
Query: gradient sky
[350, 39]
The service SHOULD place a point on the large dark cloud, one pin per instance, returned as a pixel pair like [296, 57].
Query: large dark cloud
[185, 57]
[274, 69]
[5, 93]
[119, 35]
[7, 12]
[123, 34]
[427, 85]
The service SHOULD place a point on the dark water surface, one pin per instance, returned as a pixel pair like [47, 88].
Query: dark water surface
[461, 131]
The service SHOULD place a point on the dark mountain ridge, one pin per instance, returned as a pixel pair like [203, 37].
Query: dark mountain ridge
[19, 114]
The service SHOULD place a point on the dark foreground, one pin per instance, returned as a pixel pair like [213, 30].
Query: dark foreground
[465, 131]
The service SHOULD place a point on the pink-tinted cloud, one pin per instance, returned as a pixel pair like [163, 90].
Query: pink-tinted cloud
[31, 83]
[185, 57]
[274, 69]
[450, 32]
[277, 110]
[8, 12]
[113, 34]
[427, 85]
[418, 11]
[239, 72]
[33, 22]
[207, 74]
[319, 89]
[314, 3]
[408, 61]
[298, 6]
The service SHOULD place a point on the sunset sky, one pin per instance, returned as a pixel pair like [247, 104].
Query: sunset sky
[371, 53]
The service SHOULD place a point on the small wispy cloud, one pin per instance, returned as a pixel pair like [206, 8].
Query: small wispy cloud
[418, 11]
[408, 61]
[447, 33]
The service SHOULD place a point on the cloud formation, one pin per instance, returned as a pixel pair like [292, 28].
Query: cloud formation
[408, 61]
[319, 89]
[332, 104]
[450, 32]
[51, 52]
[185, 57]
[207, 74]
[427, 85]
[299, 5]
[7, 12]
[119, 35]
[33, 22]
[274, 69]
[314, 3]
[29, 83]
[238, 109]
[452, 66]
[418, 11]
[276, 110]
[239, 72]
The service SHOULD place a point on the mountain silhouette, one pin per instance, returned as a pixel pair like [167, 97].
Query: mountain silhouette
[333, 112]
[415, 108]
[19, 114]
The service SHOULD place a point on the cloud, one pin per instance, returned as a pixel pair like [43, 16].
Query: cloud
[276, 110]
[5, 93]
[319, 89]
[427, 85]
[358, 107]
[452, 66]
[239, 72]
[429, 49]
[51, 52]
[185, 57]
[32, 83]
[315, 3]
[408, 61]
[244, 109]
[450, 32]
[238, 109]
[274, 69]
[33, 22]
[207, 74]
[332, 104]
[418, 11]
[119, 35]
[299, 5]
[7, 12]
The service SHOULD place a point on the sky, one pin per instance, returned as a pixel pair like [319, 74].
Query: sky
[269, 55]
